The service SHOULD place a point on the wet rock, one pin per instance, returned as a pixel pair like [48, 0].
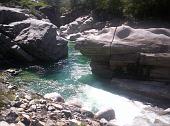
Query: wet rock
[54, 96]
[87, 113]
[67, 113]
[75, 102]
[107, 114]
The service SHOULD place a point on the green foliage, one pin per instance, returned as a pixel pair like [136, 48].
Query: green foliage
[24, 3]
[146, 8]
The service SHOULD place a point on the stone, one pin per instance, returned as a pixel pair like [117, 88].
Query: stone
[107, 114]
[67, 113]
[42, 101]
[25, 119]
[54, 96]
[21, 35]
[33, 107]
[51, 108]
[87, 113]
[8, 15]
[75, 102]
[11, 117]
[52, 13]
[3, 123]
[12, 87]
[74, 122]
[57, 106]
[128, 52]
[16, 104]
[103, 122]
[28, 97]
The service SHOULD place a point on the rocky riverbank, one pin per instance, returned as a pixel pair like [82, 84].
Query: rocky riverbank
[24, 108]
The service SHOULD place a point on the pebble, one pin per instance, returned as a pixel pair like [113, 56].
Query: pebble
[33, 107]
[51, 108]
[23, 105]
[28, 97]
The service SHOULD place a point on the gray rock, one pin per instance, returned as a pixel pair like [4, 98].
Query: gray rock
[107, 114]
[11, 117]
[25, 39]
[54, 96]
[67, 113]
[129, 52]
[87, 113]
[3, 123]
[103, 122]
[51, 108]
[8, 15]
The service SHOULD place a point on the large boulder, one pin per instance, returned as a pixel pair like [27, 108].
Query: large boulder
[8, 15]
[52, 13]
[128, 51]
[30, 40]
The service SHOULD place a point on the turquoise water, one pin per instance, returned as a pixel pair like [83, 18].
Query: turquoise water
[73, 79]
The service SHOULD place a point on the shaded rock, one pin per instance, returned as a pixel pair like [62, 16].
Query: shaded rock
[54, 96]
[107, 114]
[11, 117]
[8, 15]
[67, 113]
[53, 14]
[87, 113]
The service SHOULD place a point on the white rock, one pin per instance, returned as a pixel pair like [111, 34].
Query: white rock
[54, 96]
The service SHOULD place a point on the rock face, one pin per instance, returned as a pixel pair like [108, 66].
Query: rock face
[129, 52]
[52, 13]
[29, 40]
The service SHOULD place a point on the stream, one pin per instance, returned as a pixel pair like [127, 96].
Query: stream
[73, 79]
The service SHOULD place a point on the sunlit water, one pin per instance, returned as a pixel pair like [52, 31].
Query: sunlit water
[75, 80]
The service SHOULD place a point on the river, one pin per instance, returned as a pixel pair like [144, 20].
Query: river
[73, 79]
